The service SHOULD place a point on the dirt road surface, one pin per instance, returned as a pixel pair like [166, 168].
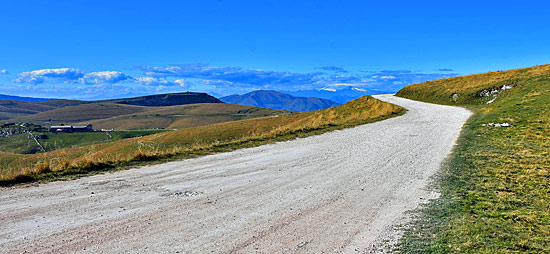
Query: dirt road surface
[338, 192]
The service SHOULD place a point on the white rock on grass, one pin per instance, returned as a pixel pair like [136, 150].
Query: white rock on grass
[498, 124]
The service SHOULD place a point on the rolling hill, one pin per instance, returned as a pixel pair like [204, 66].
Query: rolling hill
[122, 116]
[12, 109]
[183, 116]
[80, 113]
[19, 109]
[277, 100]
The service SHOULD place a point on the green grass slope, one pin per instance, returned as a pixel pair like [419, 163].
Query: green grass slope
[496, 184]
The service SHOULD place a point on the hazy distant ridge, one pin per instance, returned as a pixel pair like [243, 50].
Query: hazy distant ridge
[168, 99]
[277, 100]
[19, 98]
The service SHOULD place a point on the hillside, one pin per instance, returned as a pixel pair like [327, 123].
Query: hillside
[277, 100]
[19, 109]
[167, 99]
[80, 113]
[471, 89]
[190, 142]
[183, 116]
[495, 187]
[62, 103]
[12, 109]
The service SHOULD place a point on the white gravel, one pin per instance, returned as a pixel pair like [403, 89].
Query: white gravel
[337, 192]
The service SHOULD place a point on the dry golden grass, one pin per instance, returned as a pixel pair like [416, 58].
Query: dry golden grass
[441, 91]
[193, 141]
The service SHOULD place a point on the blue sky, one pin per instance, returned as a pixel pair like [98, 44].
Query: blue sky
[103, 49]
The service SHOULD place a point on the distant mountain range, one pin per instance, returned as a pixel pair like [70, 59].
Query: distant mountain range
[340, 94]
[17, 106]
[278, 100]
[19, 98]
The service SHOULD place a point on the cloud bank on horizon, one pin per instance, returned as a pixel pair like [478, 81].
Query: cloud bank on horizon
[227, 78]
[217, 80]
[76, 76]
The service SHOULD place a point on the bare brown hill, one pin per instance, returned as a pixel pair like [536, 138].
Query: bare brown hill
[183, 116]
[11, 109]
[79, 113]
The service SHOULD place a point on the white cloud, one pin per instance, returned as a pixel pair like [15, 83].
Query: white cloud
[150, 81]
[71, 76]
[182, 83]
[101, 77]
[230, 79]
[234, 75]
[61, 75]
[345, 84]
[3, 72]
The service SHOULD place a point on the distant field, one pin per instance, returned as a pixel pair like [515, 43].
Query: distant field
[12, 109]
[17, 111]
[190, 142]
[125, 117]
[496, 185]
[184, 116]
[78, 113]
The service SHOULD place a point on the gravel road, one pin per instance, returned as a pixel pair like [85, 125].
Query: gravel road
[339, 192]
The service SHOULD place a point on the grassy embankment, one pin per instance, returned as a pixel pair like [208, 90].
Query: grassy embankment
[189, 142]
[496, 185]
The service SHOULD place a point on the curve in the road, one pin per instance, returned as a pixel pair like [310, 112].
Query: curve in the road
[336, 192]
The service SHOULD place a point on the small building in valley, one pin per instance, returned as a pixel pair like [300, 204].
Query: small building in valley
[70, 128]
